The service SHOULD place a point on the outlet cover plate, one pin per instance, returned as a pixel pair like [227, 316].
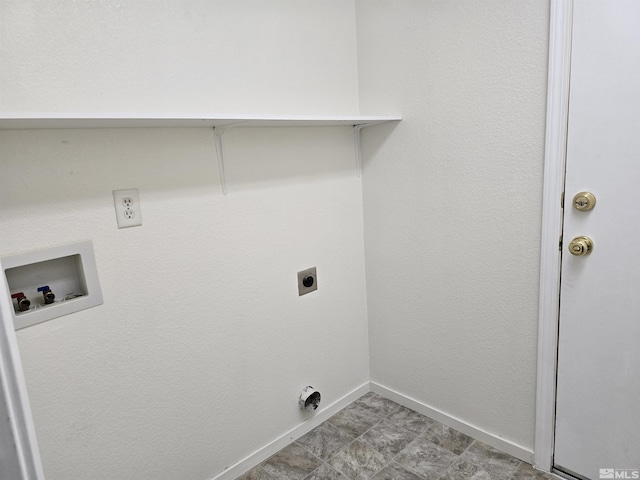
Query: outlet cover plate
[304, 289]
[128, 211]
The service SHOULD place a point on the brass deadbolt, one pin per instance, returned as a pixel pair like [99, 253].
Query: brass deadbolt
[581, 246]
[584, 201]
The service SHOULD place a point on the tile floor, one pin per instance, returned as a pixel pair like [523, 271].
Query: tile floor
[375, 438]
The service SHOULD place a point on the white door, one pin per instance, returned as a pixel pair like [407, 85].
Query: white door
[598, 390]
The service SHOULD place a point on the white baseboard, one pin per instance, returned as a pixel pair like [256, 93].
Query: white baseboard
[501, 444]
[278, 444]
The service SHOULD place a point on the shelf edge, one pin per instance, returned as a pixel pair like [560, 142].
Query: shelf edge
[11, 121]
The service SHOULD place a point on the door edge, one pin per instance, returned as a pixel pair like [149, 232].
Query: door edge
[560, 25]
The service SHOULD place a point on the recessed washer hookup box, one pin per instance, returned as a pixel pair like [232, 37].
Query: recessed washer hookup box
[49, 283]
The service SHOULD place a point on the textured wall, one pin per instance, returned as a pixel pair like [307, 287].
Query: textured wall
[147, 388]
[200, 349]
[195, 359]
[178, 56]
[452, 203]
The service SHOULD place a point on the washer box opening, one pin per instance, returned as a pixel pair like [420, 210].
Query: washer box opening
[47, 284]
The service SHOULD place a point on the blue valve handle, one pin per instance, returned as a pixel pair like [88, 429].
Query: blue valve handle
[44, 288]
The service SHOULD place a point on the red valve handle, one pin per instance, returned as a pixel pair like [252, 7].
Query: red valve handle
[17, 295]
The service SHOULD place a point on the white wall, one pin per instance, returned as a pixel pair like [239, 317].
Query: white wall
[224, 56]
[9, 463]
[452, 203]
[197, 355]
[147, 386]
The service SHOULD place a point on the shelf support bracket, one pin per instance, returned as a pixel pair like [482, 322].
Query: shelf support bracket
[217, 135]
[356, 141]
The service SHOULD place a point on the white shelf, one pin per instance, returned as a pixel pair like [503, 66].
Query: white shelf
[10, 121]
[24, 121]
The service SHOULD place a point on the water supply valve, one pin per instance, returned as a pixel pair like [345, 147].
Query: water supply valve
[48, 295]
[23, 302]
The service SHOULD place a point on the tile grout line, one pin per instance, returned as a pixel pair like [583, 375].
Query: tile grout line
[398, 454]
[406, 467]
[381, 418]
[266, 473]
[417, 435]
[515, 470]
[422, 434]
[376, 410]
[456, 461]
[392, 460]
[510, 476]
[322, 462]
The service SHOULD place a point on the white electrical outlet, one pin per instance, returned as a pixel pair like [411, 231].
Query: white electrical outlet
[128, 212]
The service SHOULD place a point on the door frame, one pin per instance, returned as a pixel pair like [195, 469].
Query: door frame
[560, 28]
[16, 406]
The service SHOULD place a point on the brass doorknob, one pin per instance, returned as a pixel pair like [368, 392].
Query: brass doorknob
[580, 246]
